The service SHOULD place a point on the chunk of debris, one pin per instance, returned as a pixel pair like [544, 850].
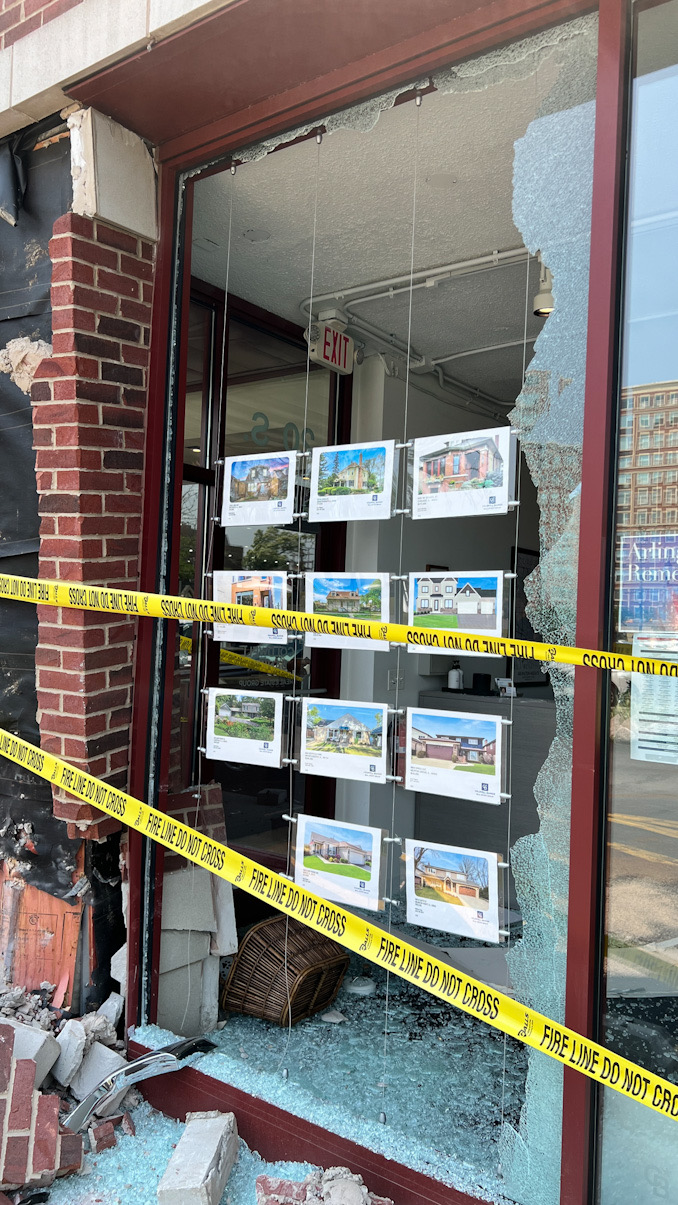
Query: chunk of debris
[112, 1008]
[32, 1149]
[99, 1062]
[102, 1136]
[336, 1186]
[332, 1017]
[21, 357]
[202, 1161]
[36, 1044]
[128, 1125]
[71, 1040]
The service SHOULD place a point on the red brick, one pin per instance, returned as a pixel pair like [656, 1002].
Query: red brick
[52, 744]
[80, 479]
[122, 460]
[102, 1136]
[65, 390]
[134, 397]
[46, 1134]
[97, 391]
[125, 374]
[147, 250]
[44, 482]
[47, 525]
[122, 417]
[135, 439]
[94, 345]
[56, 8]
[68, 318]
[57, 415]
[70, 1153]
[130, 332]
[72, 637]
[135, 310]
[16, 1160]
[47, 701]
[95, 832]
[88, 525]
[73, 223]
[116, 238]
[101, 437]
[88, 252]
[42, 437]
[20, 31]
[47, 657]
[115, 282]
[70, 269]
[22, 1095]
[68, 458]
[89, 299]
[6, 1048]
[41, 391]
[147, 291]
[8, 19]
[135, 355]
[70, 504]
[140, 268]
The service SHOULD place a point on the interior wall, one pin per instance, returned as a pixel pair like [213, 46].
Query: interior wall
[475, 543]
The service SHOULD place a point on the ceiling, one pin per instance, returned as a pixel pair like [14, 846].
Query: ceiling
[462, 147]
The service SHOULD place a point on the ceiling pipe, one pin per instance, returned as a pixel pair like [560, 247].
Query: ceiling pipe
[421, 279]
[476, 351]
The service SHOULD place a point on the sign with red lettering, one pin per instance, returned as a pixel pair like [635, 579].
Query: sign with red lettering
[331, 347]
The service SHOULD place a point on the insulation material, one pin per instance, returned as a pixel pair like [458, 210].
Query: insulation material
[38, 936]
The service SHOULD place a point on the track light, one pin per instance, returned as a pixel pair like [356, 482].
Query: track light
[543, 304]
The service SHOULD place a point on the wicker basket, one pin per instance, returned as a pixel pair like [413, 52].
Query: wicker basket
[257, 983]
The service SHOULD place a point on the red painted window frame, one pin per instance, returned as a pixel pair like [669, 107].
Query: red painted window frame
[586, 851]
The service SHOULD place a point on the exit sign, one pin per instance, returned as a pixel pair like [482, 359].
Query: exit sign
[331, 348]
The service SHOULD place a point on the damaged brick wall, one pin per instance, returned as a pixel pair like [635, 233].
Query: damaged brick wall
[89, 411]
[21, 17]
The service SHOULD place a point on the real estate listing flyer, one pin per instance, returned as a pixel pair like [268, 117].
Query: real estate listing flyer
[467, 473]
[350, 596]
[654, 703]
[244, 726]
[259, 489]
[344, 739]
[453, 889]
[353, 481]
[455, 754]
[250, 590]
[341, 862]
[456, 601]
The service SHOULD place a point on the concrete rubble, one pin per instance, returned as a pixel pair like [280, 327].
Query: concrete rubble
[336, 1186]
[202, 1162]
[50, 1059]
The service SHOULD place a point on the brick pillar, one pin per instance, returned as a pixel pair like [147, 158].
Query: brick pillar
[89, 410]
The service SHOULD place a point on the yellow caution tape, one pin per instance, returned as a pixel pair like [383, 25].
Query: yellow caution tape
[373, 943]
[228, 658]
[200, 610]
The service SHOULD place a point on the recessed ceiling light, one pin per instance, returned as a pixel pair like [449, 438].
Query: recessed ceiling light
[441, 180]
[256, 236]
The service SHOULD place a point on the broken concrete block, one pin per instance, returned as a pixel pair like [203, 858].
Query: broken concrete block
[99, 1062]
[187, 900]
[202, 1161]
[209, 1005]
[225, 937]
[179, 948]
[112, 1008]
[71, 1041]
[98, 1028]
[119, 969]
[102, 1136]
[35, 1044]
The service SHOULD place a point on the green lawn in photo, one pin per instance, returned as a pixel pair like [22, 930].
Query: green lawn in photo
[361, 613]
[477, 768]
[438, 619]
[430, 893]
[311, 862]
